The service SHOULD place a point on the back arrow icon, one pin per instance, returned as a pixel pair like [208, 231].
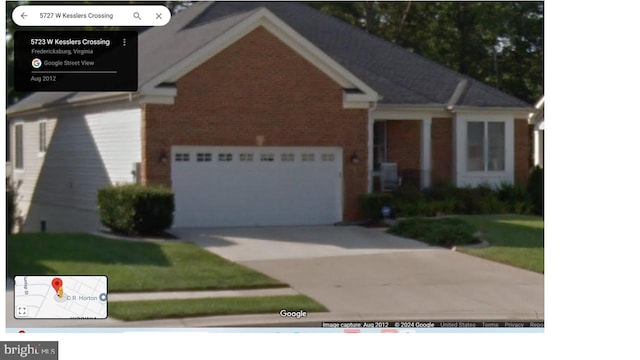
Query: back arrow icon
[23, 16]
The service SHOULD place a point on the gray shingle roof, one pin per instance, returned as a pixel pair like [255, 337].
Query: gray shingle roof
[398, 75]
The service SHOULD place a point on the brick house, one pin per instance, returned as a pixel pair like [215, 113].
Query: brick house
[263, 114]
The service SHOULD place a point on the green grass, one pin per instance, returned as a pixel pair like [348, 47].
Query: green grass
[129, 265]
[514, 240]
[163, 309]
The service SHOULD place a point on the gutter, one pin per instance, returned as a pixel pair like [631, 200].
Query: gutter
[90, 100]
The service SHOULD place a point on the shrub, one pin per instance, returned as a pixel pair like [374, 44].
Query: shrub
[441, 232]
[12, 204]
[136, 209]
[371, 204]
[441, 191]
[408, 192]
[479, 200]
[10, 210]
[516, 198]
[535, 188]
[406, 208]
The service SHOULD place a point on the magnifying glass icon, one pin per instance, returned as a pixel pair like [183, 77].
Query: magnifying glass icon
[136, 15]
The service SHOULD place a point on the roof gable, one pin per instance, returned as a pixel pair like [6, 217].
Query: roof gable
[261, 17]
[380, 70]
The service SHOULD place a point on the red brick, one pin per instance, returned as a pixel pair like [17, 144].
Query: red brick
[257, 86]
[522, 151]
[403, 147]
[441, 150]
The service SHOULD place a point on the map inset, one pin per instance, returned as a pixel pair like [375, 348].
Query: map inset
[60, 297]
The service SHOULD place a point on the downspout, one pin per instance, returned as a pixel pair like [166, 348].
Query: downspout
[451, 104]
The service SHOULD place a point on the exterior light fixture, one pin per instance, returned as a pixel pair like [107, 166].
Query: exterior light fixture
[354, 158]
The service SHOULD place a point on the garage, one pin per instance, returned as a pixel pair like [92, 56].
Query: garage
[256, 186]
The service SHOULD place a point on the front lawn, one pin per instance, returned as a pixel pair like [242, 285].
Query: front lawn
[515, 240]
[163, 309]
[129, 265]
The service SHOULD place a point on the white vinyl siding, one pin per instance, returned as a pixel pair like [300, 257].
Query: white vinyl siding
[85, 151]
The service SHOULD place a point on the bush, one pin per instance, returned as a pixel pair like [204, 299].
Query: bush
[516, 198]
[408, 192]
[441, 191]
[535, 188]
[10, 210]
[479, 200]
[136, 209]
[371, 204]
[12, 204]
[441, 232]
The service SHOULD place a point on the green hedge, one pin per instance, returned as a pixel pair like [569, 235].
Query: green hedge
[10, 210]
[535, 188]
[447, 199]
[11, 192]
[136, 209]
[441, 232]
[371, 204]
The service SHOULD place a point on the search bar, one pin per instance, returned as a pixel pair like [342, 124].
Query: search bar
[89, 15]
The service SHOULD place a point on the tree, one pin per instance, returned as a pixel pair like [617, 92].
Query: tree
[495, 42]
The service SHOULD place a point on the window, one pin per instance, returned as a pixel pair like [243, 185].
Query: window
[203, 157]
[286, 157]
[266, 157]
[308, 157]
[485, 146]
[225, 157]
[42, 126]
[19, 150]
[379, 144]
[327, 157]
[182, 157]
[246, 157]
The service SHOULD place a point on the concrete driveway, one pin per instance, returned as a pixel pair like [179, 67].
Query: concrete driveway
[366, 274]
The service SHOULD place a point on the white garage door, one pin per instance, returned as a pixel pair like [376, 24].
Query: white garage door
[256, 186]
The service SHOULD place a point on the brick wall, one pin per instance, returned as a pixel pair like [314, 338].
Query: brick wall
[257, 86]
[403, 147]
[441, 150]
[522, 148]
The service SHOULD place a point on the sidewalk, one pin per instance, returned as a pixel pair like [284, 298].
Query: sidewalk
[169, 295]
[226, 320]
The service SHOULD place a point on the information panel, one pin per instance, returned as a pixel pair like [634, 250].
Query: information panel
[76, 60]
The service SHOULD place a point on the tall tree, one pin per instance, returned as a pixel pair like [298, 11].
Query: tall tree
[495, 42]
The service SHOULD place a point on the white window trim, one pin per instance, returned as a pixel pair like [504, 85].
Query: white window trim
[464, 177]
[46, 140]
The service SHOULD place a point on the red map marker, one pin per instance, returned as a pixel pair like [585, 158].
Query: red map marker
[56, 283]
